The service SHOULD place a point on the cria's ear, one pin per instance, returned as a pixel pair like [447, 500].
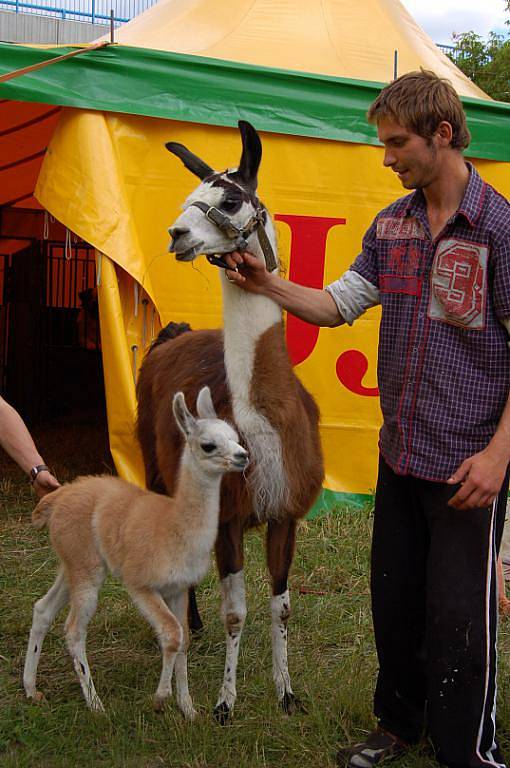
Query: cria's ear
[185, 420]
[252, 153]
[205, 406]
[191, 161]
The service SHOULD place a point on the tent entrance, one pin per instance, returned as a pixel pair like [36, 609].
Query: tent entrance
[50, 348]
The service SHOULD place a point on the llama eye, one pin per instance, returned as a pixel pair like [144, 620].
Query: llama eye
[208, 447]
[230, 204]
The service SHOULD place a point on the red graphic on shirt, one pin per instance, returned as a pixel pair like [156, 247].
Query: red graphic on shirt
[459, 277]
[396, 260]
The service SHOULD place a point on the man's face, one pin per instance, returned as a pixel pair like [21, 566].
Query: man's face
[413, 158]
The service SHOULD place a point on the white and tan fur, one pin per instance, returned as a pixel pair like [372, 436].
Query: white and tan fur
[253, 383]
[158, 546]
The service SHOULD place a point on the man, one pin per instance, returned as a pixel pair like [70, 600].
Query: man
[16, 440]
[438, 262]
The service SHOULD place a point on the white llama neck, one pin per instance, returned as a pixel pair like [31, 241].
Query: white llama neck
[246, 318]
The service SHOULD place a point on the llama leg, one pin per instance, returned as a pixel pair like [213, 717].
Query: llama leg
[169, 633]
[280, 550]
[178, 604]
[83, 606]
[45, 611]
[229, 555]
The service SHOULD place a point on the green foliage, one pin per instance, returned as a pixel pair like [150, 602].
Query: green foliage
[485, 62]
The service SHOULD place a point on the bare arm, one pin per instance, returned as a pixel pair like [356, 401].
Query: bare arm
[309, 304]
[16, 440]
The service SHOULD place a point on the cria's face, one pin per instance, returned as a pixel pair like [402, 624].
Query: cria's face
[215, 445]
[193, 234]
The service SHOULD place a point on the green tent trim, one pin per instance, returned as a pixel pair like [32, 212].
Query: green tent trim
[142, 81]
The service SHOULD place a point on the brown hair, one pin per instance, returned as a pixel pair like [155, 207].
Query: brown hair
[420, 101]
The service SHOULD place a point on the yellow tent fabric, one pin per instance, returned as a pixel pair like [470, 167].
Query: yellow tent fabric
[333, 37]
[109, 179]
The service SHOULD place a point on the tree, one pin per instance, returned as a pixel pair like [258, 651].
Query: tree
[486, 62]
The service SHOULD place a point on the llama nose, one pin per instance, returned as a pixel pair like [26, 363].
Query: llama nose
[241, 457]
[175, 233]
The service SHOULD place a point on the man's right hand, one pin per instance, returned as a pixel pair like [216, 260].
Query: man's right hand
[247, 271]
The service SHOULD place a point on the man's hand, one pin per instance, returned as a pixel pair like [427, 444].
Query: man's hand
[45, 483]
[247, 271]
[481, 477]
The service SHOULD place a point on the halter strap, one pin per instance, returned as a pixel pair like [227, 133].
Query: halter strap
[238, 236]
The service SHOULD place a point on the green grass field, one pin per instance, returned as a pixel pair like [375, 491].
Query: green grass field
[331, 652]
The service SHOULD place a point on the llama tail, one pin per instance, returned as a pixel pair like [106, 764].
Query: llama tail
[170, 331]
[42, 512]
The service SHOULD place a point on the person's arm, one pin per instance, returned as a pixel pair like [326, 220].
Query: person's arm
[482, 475]
[16, 440]
[310, 304]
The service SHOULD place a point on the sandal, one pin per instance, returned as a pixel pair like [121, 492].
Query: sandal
[377, 747]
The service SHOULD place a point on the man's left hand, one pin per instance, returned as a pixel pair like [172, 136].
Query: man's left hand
[481, 477]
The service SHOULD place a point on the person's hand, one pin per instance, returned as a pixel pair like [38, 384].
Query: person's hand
[481, 477]
[247, 271]
[45, 483]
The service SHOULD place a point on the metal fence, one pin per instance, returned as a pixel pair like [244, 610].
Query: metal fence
[449, 50]
[92, 11]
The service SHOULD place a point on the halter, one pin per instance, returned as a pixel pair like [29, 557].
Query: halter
[238, 236]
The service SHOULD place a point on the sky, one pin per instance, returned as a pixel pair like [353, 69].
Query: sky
[439, 18]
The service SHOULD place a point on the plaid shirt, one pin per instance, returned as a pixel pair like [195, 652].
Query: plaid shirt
[443, 367]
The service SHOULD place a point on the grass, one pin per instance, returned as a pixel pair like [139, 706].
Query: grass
[331, 652]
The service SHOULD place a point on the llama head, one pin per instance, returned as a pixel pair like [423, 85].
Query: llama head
[212, 442]
[232, 193]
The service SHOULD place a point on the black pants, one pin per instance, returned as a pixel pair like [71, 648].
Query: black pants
[434, 603]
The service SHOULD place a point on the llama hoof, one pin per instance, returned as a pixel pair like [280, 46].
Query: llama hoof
[291, 704]
[222, 713]
[158, 703]
[36, 698]
[97, 705]
[190, 714]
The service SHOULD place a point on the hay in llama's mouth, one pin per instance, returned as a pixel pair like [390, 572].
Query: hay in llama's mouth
[189, 254]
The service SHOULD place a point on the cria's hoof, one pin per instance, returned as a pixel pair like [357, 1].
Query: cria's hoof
[222, 713]
[158, 704]
[37, 698]
[291, 704]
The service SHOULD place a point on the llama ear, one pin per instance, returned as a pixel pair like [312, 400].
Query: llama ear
[191, 161]
[252, 153]
[205, 406]
[185, 420]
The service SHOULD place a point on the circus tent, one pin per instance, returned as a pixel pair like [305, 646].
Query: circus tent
[304, 73]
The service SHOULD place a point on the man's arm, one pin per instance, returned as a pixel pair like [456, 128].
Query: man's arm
[310, 304]
[482, 475]
[17, 441]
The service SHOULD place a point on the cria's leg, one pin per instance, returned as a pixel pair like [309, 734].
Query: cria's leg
[229, 555]
[169, 633]
[45, 611]
[178, 604]
[280, 550]
[83, 606]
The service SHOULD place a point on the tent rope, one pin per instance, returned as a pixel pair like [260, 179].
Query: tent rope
[24, 70]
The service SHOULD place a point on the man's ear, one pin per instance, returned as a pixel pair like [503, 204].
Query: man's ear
[444, 132]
